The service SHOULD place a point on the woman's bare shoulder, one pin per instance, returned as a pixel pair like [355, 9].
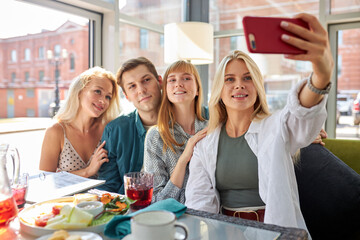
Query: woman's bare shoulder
[56, 130]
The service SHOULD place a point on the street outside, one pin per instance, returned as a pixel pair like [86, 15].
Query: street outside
[346, 130]
[29, 142]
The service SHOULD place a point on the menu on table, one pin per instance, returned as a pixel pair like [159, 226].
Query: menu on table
[49, 185]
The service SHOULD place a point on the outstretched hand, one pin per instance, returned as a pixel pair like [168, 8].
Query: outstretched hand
[316, 42]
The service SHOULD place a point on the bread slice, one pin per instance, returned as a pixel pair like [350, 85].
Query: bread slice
[84, 197]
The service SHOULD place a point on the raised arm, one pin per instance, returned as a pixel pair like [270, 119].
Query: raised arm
[51, 148]
[316, 43]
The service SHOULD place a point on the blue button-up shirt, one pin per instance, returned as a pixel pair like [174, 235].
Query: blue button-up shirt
[124, 138]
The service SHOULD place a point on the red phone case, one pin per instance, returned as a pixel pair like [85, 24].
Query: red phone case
[263, 35]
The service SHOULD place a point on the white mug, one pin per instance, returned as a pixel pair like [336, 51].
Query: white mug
[156, 225]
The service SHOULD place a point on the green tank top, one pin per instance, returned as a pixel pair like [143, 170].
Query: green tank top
[237, 173]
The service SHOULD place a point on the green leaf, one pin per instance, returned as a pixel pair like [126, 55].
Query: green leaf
[106, 217]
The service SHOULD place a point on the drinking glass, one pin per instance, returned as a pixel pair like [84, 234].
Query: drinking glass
[19, 189]
[8, 209]
[139, 187]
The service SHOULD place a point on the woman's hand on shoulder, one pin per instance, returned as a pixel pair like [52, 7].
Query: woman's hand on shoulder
[100, 156]
[189, 149]
[316, 42]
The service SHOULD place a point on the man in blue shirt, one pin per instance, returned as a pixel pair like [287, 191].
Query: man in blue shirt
[125, 135]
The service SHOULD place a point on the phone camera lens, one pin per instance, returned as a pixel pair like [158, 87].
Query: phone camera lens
[253, 45]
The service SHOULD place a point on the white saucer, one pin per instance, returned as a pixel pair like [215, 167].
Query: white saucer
[129, 237]
[84, 236]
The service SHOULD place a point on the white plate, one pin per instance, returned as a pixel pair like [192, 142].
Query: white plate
[128, 237]
[83, 235]
[27, 218]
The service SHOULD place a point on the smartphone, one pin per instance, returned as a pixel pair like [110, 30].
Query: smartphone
[263, 35]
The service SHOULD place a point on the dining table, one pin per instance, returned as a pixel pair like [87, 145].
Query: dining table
[200, 224]
[207, 226]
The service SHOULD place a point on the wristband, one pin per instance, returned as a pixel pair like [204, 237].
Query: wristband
[316, 90]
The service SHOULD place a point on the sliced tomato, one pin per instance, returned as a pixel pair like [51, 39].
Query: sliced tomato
[42, 220]
[56, 210]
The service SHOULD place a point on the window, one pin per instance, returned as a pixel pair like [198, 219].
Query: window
[344, 6]
[27, 76]
[13, 56]
[144, 38]
[72, 62]
[162, 40]
[233, 43]
[41, 53]
[30, 93]
[72, 41]
[13, 77]
[339, 65]
[57, 50]
[41, 76]
[30, 112]
[27, 54]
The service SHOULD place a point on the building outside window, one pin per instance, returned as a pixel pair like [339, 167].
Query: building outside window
[144, 39]
[27, 76]
[27, 54]
[41, 53]
[57, 50]
[72, 62]
[13, 56]
[30, 93]
[41, 76]
[13, 77]
[30, 112]
[339, 65]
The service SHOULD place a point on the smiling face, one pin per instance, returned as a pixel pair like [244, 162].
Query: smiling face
[181, 87]
[96, 96]
[142, 89]
[239, 92]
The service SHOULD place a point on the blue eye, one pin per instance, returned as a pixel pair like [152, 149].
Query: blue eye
[230, 79]
[187, 78]
[97, 91]
[171, 79]
[247, 78]
[108, 98]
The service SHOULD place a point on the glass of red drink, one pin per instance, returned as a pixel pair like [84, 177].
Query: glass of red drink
[139, 187]
[8, 209]
[19, 189]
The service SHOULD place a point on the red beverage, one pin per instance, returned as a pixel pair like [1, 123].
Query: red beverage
[19, 196]
[8, 211]
[143, 197]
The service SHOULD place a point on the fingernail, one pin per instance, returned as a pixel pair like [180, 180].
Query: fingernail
[284, 24]
[285, 37]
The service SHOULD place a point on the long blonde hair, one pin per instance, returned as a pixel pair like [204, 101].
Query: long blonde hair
[217, 108]
[68, 112]
[166, 118]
